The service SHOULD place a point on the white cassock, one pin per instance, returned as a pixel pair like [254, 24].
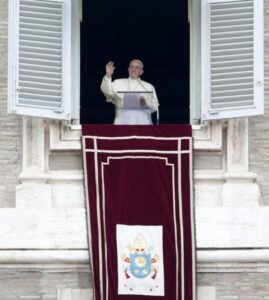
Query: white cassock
[113, 93]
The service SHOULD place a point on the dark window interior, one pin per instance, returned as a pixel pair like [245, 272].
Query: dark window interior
[157, 32]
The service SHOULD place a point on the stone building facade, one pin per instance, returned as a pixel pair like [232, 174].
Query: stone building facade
[43, 245]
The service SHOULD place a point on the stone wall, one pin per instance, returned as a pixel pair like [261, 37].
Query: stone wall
[40, 283]
[10, 125]
[259, 126]
[237, 286]
[43, 283]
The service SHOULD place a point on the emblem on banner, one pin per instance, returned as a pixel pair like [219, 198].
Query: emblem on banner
[139, 262]
[140, 265]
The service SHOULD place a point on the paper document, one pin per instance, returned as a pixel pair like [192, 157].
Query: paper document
[131, 100]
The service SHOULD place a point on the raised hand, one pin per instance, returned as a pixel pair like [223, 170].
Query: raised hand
[110, 68]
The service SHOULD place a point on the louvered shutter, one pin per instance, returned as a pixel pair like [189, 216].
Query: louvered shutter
[232, 58]
[40, 58]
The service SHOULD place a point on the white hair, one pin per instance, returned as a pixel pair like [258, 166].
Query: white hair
[139, 61]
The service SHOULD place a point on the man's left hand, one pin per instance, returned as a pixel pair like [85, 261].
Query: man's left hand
[142, 101]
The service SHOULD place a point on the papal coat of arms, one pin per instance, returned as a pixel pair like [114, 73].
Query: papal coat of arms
[139, 262]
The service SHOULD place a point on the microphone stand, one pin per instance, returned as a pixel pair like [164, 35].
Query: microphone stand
[158, 116]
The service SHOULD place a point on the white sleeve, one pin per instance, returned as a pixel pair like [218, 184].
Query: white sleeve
[108, 90]
[152, 100]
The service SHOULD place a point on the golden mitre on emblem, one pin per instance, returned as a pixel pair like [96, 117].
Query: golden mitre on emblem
[140, 243]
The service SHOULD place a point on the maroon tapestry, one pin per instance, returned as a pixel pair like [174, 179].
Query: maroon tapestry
[140, 214]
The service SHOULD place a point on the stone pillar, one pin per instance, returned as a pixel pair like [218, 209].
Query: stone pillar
[33, 192]
[240, 188]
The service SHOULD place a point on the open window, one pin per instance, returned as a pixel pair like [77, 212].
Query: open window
[205, 57]
[156, 32]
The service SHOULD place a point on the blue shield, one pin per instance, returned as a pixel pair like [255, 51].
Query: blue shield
[140, 265]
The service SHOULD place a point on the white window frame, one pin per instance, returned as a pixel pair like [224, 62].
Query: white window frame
[195, 61]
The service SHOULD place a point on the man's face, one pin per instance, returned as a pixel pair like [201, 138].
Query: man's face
[135, 69]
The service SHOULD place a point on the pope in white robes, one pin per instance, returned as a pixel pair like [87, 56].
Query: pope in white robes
[116, 90]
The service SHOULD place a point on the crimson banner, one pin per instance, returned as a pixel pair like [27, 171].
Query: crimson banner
[140, 215]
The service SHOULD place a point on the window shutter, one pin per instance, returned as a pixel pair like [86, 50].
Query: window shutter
[40, 58]
[232, 58]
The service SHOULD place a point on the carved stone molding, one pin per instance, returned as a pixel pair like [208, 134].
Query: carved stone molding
[75, 294]
[240, 188]
[238, 184]
[232, 227]
[239, 261]
[237, 145]
[46, 257]
[208, 186]
[64, 137]
[39, 187]
[208, 136]
[33, 156]
[206, 293]
[233, 256]
[2, 190]
[81, 257]
[208, 261]
[43, 228]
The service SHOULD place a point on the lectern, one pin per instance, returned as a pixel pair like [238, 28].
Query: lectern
[132, 110]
